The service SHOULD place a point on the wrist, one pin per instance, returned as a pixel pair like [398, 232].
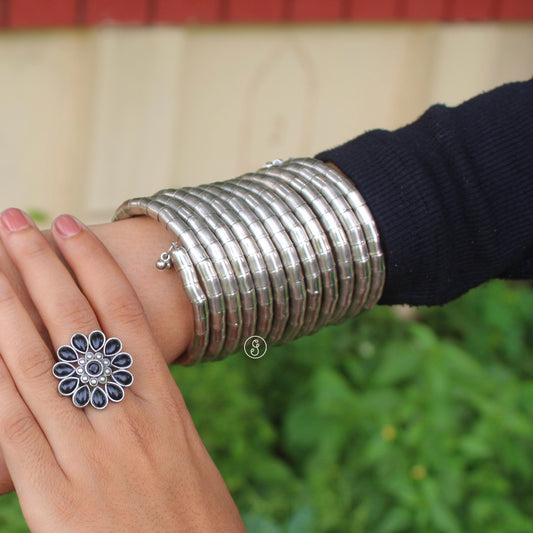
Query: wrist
[136, 243]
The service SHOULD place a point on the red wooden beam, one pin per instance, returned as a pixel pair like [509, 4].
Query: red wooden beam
[472, 9]
[3, 14]
[515, 10]
[31, 13]
[374, 9]
[180, 11]
[424, 9]
[43, 13]
[316, 10]
[116, 11]
[255, 10]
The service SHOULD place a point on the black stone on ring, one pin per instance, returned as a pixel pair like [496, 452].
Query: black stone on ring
[93, 370]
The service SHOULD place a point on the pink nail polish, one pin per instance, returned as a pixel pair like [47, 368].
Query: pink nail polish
[67, 226]
[14, 219]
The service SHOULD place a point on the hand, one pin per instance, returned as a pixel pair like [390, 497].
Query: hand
[135, 244]
[138, 465]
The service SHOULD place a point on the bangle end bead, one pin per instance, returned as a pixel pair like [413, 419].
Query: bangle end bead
[164, 262]
[277, 253]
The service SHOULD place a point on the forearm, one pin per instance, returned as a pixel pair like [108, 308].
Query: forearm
[451, 195]
[433, 216]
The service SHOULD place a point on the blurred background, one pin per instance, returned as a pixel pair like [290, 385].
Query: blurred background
[398, 421]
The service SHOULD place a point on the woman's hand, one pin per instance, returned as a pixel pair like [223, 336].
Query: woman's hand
[137, 465]
[135, 244]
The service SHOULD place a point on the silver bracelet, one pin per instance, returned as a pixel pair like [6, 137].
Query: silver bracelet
[353, 231]
[306, 254]
[253, 256]
[334, 230]
[317, 237]
[233, 252]
[287, 252]
[278, 253]
[271, 257]
[226, 275]
[361, 210]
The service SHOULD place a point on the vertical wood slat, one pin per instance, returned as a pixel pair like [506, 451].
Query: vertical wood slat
[255, 10]
[29, 13]
[316, 10]
[119, 11]
[183, 11]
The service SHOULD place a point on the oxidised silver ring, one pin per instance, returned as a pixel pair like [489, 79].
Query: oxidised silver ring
[93, 370]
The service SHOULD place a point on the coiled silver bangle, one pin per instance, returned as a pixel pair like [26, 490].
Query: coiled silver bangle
[277, 253]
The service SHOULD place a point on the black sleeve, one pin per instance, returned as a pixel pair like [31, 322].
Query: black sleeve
[452, 195]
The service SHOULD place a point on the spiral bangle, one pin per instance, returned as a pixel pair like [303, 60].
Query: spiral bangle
[278, 253]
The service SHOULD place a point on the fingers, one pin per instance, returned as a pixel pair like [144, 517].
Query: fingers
[30, 363]
[27, 452]
[110, 304]
[112, 297]
[63, 308]
[12, 273]
[24, 352]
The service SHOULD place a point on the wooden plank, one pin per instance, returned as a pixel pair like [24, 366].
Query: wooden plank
[472, 9]
[29, 13]
[315, 10]
[116, 11]
[255, 10]
[424, 9]
[183, 11]
[135, 95]
[515, 10]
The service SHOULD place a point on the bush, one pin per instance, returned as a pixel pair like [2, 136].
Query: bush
[384, 424]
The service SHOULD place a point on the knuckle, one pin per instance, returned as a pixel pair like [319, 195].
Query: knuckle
[67, 507]
[134, 430]
[7, 294]
[36, 366]
[126, 311]
[19, 429]
[98, 462]
[33, 247]
[73, 312]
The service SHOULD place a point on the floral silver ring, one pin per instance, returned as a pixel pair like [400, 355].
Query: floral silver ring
[93, 370]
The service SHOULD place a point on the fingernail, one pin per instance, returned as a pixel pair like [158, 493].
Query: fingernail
[14, 219]
[67, 226]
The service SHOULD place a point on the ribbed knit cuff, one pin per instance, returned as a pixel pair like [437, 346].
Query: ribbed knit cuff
[452, 194]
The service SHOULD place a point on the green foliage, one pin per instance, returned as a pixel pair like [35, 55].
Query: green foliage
[384, 424]
[39, 216]
[11, 519]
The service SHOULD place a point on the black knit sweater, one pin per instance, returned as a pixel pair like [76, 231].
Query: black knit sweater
[452, 195]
